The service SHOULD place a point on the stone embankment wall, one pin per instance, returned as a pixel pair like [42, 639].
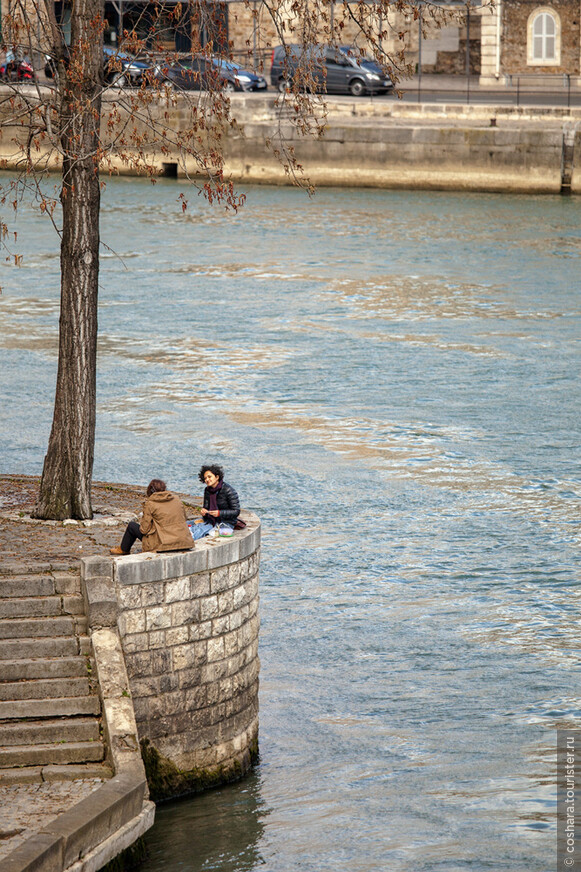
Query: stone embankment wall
[379, 143]
[388, 144]
[188, 624]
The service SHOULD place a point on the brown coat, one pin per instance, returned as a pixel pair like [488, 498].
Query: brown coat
[164, 525]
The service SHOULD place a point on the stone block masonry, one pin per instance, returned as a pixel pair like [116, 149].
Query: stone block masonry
[378, 143]
[189, 624]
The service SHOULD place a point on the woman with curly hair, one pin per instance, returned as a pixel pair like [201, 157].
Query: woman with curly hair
[221, 504]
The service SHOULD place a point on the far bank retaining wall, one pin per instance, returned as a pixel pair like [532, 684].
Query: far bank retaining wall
[188, 624]
[442, 156]
[378, 143]
[389, 144]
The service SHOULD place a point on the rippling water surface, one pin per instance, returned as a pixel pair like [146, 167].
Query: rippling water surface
[392, 381]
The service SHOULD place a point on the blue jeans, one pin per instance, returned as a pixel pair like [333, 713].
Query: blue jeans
[198, 531]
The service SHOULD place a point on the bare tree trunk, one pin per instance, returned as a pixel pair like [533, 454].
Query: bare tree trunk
[65, 488]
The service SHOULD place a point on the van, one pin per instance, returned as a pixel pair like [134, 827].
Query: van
[327, 69]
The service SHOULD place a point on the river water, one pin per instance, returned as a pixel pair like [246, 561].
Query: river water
[392, 382]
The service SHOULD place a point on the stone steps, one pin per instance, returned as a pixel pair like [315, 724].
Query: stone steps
[42, 755]
[31, 607]
[45, 667]
[44, 688]
[12, 649]
[27, 585]
[49, 731]
[49, 707]
[26, 628]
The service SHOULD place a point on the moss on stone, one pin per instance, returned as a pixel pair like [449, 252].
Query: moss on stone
[253, 749]
[167, 781]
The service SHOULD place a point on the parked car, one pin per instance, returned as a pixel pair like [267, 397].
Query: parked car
[244, 80]
[207, 73]
[332, 70]
[119, 67]
[16, 69]
[190, 74]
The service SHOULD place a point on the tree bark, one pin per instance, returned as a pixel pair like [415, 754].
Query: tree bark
[65, 488]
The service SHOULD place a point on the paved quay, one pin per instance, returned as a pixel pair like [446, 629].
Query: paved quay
[32, 797]
[57, 545]
[27, 807]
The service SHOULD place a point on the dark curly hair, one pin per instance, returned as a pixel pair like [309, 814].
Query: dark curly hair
[155, 485]
[214, 469]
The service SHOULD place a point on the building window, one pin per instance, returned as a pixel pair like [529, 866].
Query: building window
[544, 38]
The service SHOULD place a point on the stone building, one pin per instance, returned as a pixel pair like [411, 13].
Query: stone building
[507, 38]
[530, 39]
[451, 47]
[245, 30]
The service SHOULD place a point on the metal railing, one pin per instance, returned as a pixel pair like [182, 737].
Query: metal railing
[538, 83]
[558, 90]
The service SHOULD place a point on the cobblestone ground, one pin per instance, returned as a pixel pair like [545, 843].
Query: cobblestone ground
[24, 540]
[25, 808]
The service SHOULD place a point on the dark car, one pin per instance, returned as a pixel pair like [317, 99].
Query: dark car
[51, 63]
[244, 80]
[207, 73]
[325, 68]
[119, 67]
[193, 74]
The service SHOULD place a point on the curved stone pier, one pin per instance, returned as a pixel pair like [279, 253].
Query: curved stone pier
[188, 624]
[171, 638]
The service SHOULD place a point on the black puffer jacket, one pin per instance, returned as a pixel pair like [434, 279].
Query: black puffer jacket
[228, 505]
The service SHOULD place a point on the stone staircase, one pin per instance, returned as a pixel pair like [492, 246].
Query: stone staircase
[50, 726]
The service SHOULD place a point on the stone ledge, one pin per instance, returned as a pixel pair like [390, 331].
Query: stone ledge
[100, 599]
[158, 566]
[85, 827]
[99, 816]
[120, 841]
[40, 853]
[117, 707]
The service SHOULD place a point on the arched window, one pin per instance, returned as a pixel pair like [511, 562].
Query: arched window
[544, 38]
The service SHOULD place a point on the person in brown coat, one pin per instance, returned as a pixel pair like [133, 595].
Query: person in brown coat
[163, 526]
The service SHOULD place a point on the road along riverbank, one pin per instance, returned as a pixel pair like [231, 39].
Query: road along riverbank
[381, 143]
